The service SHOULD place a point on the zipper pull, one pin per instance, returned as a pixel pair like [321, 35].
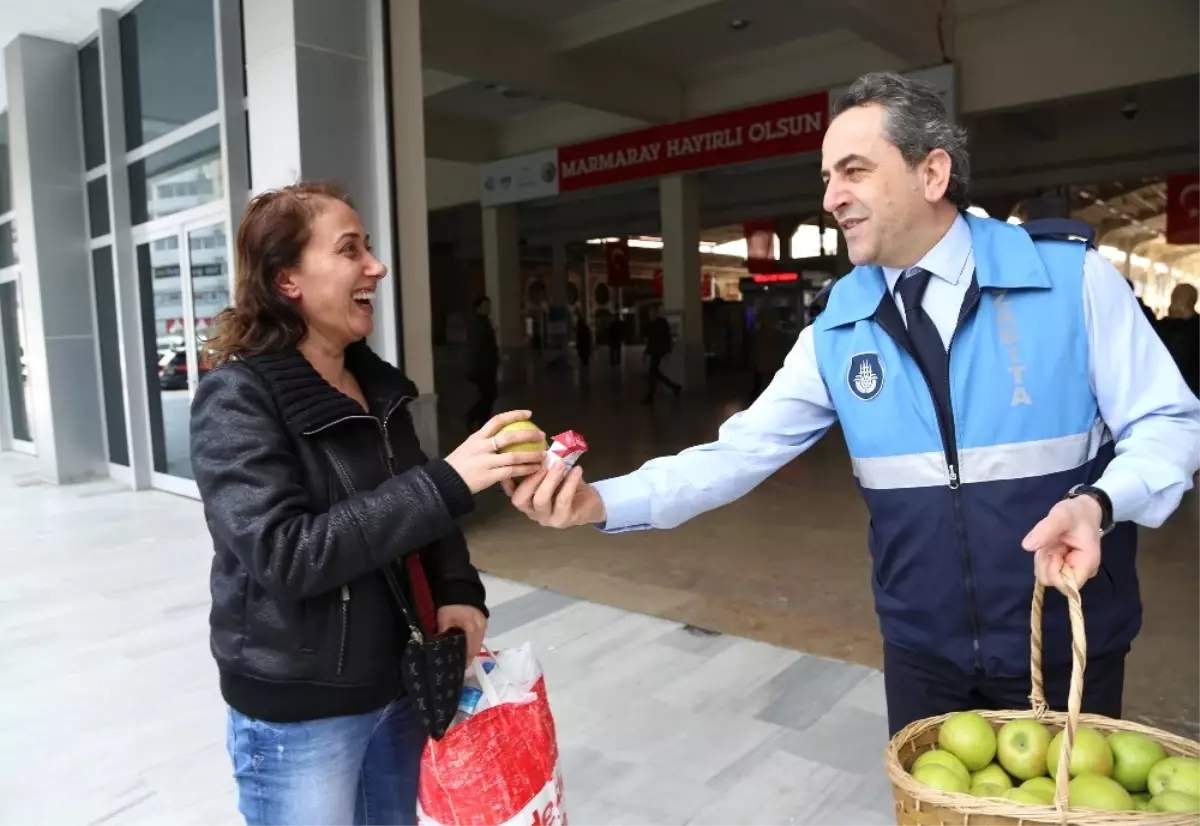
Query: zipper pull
[387, 443]
[953, 477]
[345, 593]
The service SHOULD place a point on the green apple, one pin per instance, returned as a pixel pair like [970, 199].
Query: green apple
[1095, 791]
[942, 757]
[970, 738]
[1175, 774]
[1140, 805]
[940, 777]
[1144, 797]
[1091, 754]
[522, 447]
[1041, 785]
[992, 775]
[1021, 748]
[1170, 801]
[1133, 756]
[1028, 797]
[987, 790]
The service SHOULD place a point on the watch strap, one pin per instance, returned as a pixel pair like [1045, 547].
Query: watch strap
[1106, 508]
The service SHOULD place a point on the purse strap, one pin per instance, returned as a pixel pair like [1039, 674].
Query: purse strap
[425, 616]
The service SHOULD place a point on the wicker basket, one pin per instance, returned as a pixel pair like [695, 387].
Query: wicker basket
[919, 804]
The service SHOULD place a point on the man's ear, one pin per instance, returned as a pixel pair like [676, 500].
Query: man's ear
[285, 281]
[935, 175]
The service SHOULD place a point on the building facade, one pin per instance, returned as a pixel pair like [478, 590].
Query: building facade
[125, 163]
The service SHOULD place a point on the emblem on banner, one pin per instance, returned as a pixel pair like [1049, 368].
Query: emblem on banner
[865, 376]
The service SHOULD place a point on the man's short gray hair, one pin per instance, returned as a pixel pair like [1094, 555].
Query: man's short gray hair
[916, 123]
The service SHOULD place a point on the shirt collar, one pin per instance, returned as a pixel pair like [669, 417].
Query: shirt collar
[947, 260]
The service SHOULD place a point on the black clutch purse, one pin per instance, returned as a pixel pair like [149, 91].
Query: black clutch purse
[432, 667]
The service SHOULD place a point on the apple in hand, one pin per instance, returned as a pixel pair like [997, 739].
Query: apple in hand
[1021, 748]
[1095, 791]
[1175, 774]
[942, 757]
[523, 447]
[970, 738]
[1134, 755]
[1091, 754]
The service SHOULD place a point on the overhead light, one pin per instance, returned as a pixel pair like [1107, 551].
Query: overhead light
[739, 24]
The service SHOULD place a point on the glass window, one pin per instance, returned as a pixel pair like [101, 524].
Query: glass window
[5, 171]
[11, 327]
[97, 195]
[180, 177]
[93, 105]
[110, 356]
[8, 245]
[168, 67]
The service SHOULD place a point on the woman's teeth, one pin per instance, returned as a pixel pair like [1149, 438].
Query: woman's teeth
[364, 296]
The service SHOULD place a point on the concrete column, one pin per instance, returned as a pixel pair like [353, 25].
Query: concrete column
[315, 83]
[412, 214]
[679, 198]
[134, 379]
[502, 275]
[48, 192]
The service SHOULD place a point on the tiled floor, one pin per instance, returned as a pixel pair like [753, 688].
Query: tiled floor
[109, 711]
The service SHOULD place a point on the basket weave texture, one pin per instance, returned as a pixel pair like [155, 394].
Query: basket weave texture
[920, 805]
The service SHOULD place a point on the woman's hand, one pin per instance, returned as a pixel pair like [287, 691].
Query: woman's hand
[468, 618]
[478, 461]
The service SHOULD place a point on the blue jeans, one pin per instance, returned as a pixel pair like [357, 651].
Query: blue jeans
[361, 769]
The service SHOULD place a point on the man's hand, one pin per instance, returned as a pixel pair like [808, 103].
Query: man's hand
[468, 618]
[1069, 535]
[554, 503]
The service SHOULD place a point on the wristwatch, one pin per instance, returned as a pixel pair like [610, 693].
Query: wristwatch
[1106, 508]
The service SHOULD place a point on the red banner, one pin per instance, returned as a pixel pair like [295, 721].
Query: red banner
[1183, 209]
[616, 255]
[784, 127]
[760, 244]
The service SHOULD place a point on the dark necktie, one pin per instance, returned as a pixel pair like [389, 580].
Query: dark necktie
[926, 341]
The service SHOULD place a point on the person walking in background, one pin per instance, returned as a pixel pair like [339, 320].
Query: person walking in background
[1005, 405]
[483, 362]
[1180, 332]
[320, 501]
[583, 344]
[768, 350]
[616, 339]
[658, 347]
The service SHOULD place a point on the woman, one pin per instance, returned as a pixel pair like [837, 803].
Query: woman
[313, 481]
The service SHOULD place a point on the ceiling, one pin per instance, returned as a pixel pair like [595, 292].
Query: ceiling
[71, 21]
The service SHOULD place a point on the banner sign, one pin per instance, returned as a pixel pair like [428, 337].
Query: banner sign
[785, 127]
[1183, 209]
[616, 255]
[520, 178]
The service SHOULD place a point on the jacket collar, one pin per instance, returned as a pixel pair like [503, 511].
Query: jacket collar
[1005, 258]
[308, 402]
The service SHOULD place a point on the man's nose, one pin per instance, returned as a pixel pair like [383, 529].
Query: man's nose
[835, 198]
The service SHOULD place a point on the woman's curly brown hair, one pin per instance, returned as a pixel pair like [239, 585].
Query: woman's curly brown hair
[274, 229]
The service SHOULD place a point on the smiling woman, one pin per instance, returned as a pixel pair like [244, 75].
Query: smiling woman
[334, 536]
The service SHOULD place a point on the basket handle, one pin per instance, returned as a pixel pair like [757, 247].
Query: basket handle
[1037, 695]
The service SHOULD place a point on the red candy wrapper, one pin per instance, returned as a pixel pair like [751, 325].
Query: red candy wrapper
[567, 448]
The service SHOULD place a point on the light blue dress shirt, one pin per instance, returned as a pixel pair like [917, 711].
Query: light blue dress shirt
[1154, 418]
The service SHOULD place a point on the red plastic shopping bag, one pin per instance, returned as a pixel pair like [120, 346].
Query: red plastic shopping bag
[500, 766]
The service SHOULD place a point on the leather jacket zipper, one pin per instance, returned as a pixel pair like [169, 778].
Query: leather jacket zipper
[345, 626]
[351, 490]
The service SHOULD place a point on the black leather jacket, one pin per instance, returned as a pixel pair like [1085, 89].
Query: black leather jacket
[308, 497]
